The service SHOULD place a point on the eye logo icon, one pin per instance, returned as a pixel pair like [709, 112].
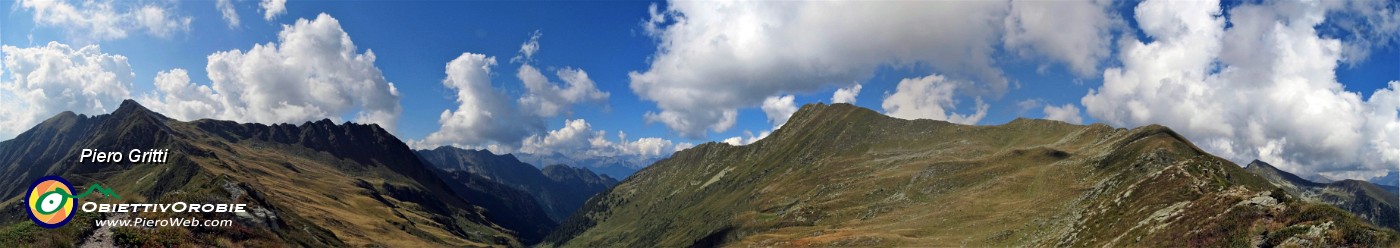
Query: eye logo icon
[49, 203]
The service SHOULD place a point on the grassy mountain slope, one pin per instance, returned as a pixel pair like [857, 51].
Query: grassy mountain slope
[841, 175]
[1369, 201]
[316, 184]
[506, 206]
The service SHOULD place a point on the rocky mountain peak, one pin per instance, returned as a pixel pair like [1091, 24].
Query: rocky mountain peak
[132, 108]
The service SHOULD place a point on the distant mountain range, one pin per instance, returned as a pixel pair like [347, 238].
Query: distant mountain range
[846, 176]
[1389, 179]
[621, 166]
[558, 188]
[1368, 201]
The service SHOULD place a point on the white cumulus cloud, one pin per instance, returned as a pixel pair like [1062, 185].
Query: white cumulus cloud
[528, 49]
[273, 8]
[230, 14]
[715, 57]
[1263, 88]
[746, 138]
[846, 95]
[1066, 113]
[46, 80]
[182, 99]
[313, 72]
[484, 115]
[159, 22]
[930, 97]
[577, 139]
[1364, 25]
[487, 118]
[778, 109]
[1075, 32]
[547, 98]
[100, 20]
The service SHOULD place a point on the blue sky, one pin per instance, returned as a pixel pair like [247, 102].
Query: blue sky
[413, 40]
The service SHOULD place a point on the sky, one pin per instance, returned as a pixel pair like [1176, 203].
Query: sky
[1307, 86]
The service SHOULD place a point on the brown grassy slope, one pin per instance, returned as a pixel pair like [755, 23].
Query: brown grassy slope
[846, 176]
[318, 184]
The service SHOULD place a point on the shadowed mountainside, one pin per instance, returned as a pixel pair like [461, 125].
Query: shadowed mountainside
[1369, 201]
[314, 184]
[559, 189]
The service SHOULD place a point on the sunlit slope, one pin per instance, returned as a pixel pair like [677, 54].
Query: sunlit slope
[314, 184]
[841, 175]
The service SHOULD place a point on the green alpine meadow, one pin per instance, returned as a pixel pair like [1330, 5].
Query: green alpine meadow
[839, 175]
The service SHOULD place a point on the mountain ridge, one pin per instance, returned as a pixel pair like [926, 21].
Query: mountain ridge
[840, 175]
[367, 187]
[617, 167]
[558, 188]
[1369, 201]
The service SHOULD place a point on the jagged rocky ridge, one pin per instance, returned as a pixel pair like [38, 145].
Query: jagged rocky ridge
[314, 184]
[841, 175]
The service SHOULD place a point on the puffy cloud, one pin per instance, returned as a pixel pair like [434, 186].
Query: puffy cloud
[158, 22]
[273, 8]
[528, 49]
[229, 13]
[1066, 113]
[548, 99]
[96, 20]
[929, 97]
[484, 115]
[99, 20]
[778, 109]
[574, 136]
[747, 138]
[1363, 25]
[708, 119]
[1263, 88]
[652, 147]
[846, 95]
[1028, 104]
[734, 141]
[1075, 32]
[53, 78]
[578, 140]
[715, 57]
[683, 146]
[314, 72]
[182, 99]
